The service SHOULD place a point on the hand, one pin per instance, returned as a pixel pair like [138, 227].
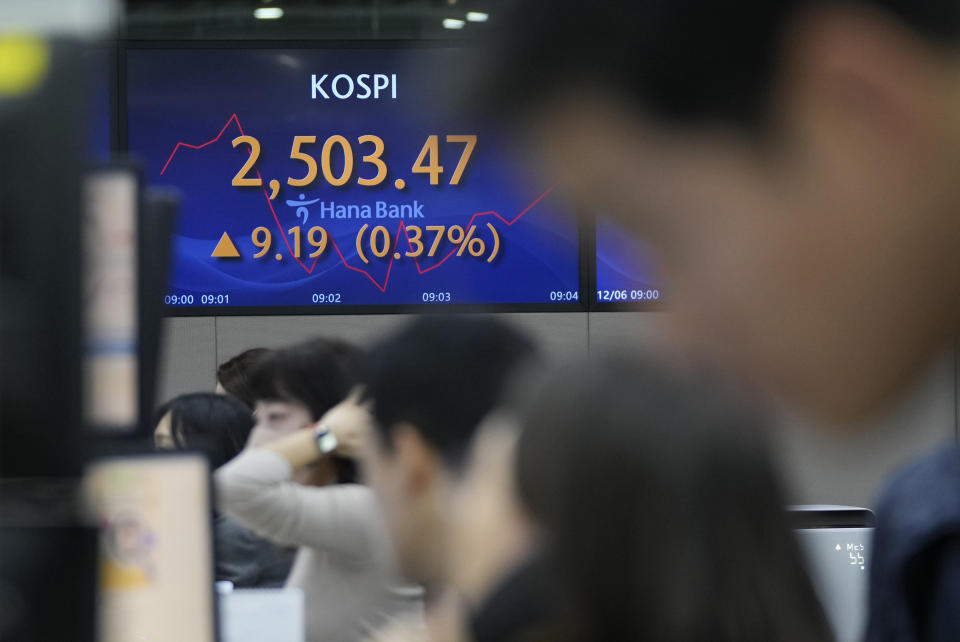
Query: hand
[351, 422]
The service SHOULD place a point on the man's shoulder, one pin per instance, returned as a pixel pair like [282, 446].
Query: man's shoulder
[923, 498]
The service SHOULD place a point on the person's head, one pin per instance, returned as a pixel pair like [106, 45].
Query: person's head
[490, 534]
[216, 425]
[791, 163]
[293, 387]
[233, 375]
[662, 516]
[431, 384]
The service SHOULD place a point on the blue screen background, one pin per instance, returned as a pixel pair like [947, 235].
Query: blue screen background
[102, 75]
[191, 96]
[622, 261]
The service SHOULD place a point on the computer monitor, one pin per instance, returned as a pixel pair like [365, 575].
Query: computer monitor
[158, 219]
[126, 252]
[156, 547]
[41, 128]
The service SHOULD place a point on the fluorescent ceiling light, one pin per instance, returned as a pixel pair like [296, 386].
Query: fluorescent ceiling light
[453, 23]
[477, 16]
[267, 13]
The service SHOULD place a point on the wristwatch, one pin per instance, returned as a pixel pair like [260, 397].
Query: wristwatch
[326, 440]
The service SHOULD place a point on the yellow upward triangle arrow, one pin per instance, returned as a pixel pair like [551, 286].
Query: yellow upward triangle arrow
[225, 249]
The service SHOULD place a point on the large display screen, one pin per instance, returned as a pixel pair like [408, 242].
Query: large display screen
[334, 177]
[625, 274]
[101, 120]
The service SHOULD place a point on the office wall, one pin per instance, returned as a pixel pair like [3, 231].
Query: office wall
[188, 356]
[818, 467]
[193, 346]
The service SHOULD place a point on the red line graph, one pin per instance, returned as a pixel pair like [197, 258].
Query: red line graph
[401, 227]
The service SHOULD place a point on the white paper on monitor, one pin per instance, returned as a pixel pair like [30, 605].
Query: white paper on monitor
[110, 299]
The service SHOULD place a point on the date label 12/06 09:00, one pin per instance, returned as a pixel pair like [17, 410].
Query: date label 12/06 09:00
[628, 295]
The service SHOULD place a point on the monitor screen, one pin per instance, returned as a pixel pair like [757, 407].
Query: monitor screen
[156, 559]
[625, 273]
[326, 178]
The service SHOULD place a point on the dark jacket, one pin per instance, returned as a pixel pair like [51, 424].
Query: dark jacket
[516, 609]
[248, 560]
[915, 573]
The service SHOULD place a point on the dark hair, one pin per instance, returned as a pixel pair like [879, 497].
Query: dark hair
[216, 425]
[663, 516]
[443, 374]
[234, 374]
[692, 60]
[318, 373]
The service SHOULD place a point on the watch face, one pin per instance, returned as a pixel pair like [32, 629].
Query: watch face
[327, 442]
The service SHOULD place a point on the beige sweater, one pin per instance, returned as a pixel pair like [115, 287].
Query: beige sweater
[345, 564]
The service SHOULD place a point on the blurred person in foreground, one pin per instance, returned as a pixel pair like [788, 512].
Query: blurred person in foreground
[792, 164]
[233, 375]
[430, 386]
[218, 426]
[294, 485]
[495, 584]
[661, 513]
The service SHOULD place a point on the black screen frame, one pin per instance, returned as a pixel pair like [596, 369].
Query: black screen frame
[585, 260]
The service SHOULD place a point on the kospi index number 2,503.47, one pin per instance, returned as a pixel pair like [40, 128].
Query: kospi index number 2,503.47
[297, 197]
[426, 162]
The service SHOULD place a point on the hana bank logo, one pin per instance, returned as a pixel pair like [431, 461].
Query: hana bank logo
[301, 206]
